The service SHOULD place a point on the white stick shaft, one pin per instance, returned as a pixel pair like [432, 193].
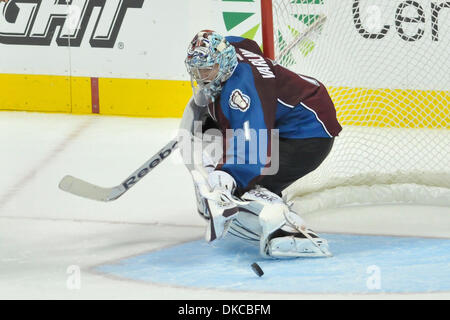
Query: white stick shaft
[88, 190]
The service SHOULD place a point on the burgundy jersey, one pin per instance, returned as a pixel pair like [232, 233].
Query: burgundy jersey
[261, 96]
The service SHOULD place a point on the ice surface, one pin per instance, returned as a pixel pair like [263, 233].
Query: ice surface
[398, 264]
[44, 231]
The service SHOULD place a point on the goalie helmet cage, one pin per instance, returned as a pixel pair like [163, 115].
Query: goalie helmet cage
[384, 67]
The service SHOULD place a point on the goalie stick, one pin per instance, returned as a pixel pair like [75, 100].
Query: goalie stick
[91, 191]
[88, 190]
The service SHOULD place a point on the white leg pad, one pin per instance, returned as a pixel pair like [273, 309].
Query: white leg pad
[275, 215]
[271, 218]
[292, 247]
[221, 216]
[262, 195]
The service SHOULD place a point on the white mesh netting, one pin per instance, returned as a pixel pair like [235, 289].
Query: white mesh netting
[386, 65]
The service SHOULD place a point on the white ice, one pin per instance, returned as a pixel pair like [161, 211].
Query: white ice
[44, 231]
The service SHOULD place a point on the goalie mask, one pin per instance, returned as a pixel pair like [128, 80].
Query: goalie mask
[210, 61]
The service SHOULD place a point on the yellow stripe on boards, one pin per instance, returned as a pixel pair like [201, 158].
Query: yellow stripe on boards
[150, 98]
[81, 95]
[35, 93]
[393, 108]
[130, 97]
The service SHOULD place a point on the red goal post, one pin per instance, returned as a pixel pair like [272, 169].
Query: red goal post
[267, 28]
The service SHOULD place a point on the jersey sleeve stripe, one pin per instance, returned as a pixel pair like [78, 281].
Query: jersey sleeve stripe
[285, 104]
[317, 117]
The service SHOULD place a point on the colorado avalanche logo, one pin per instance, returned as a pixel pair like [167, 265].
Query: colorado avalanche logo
[239, 101]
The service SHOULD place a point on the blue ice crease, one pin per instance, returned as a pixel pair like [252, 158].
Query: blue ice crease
[361, 264]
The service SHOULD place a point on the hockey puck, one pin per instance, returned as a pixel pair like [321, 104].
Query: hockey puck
[257, 269]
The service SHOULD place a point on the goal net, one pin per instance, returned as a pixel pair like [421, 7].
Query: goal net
[386, 66]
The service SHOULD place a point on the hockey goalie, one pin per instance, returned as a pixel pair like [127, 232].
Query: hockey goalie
[250, 130]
